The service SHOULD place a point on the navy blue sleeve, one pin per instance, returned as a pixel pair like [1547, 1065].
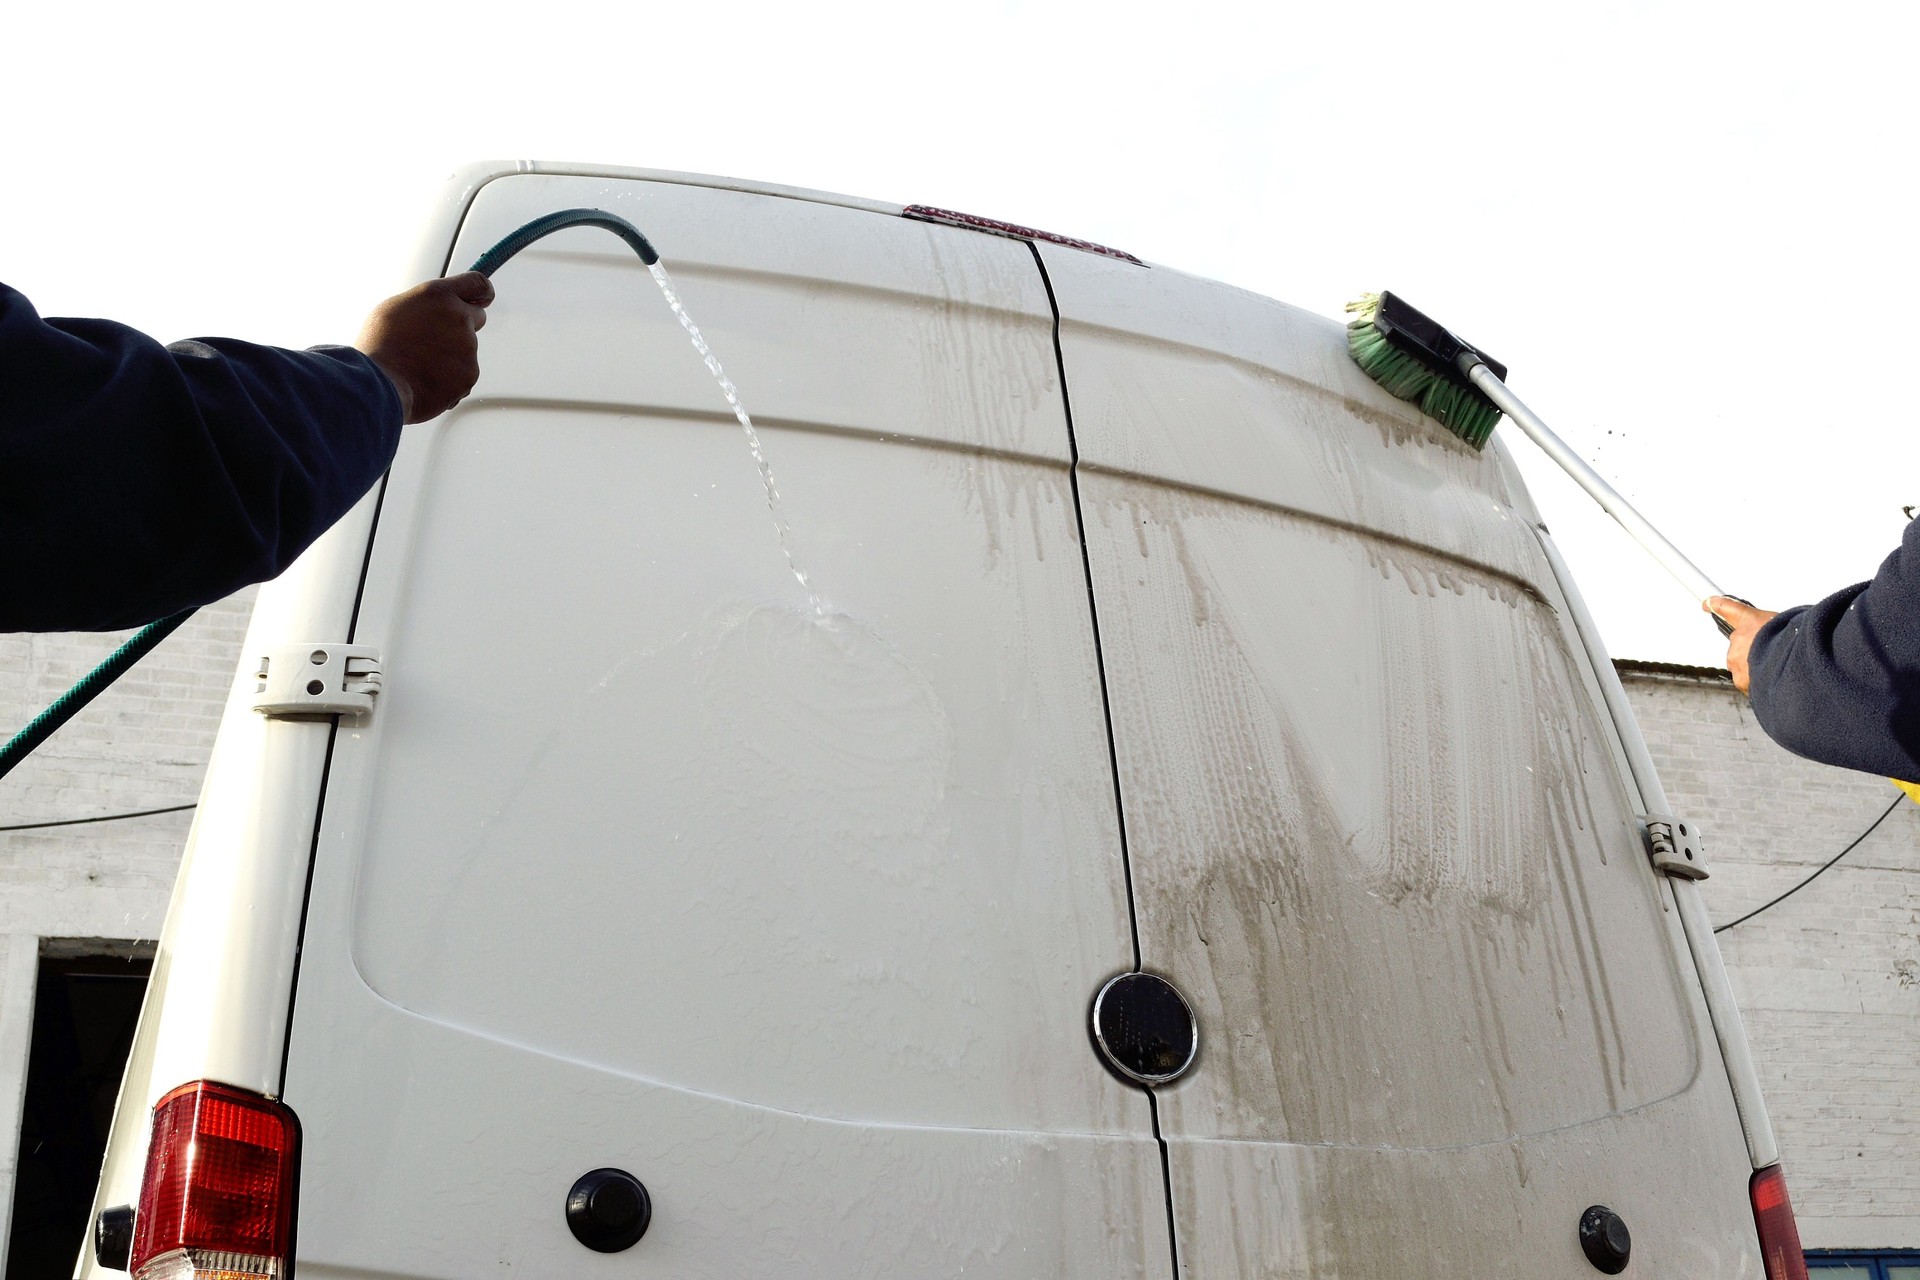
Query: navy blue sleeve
[137, 480]
[1839, 681]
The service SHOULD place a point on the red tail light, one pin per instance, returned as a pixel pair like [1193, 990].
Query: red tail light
[1773, 1215]
[217, 1199]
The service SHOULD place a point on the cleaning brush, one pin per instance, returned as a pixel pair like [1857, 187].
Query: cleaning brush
[1394, 344]
[1465, 390]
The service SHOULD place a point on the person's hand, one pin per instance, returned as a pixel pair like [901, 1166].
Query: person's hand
[1746, 622]
[424, 340]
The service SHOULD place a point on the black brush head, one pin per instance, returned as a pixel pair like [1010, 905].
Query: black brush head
[1427, 341]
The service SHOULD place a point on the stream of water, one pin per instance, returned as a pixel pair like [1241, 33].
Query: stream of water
[728, 390]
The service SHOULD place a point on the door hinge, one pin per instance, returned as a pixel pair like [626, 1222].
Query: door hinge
[1675, 846]
[307, 681]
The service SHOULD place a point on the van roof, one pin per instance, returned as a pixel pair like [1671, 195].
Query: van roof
[472, 177]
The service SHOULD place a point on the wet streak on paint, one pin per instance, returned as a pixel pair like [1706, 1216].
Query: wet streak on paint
[1376, 867]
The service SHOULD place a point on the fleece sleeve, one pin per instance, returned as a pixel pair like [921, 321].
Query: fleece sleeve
[137, 480]
[1839, 681]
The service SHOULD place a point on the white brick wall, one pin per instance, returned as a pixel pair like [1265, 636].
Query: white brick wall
[1829, 980]
[143, 744]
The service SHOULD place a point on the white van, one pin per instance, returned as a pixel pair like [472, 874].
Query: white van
[578, 894]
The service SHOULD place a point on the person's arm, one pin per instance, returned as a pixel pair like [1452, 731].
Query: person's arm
[137, 480]
[1839, 681]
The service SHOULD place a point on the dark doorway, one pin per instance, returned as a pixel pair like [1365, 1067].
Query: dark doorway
[84, 1012]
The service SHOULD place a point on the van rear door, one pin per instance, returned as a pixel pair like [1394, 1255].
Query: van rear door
[644, 861]
[1377, 822]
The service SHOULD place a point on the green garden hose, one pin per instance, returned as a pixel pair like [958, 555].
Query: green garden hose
[90, 686]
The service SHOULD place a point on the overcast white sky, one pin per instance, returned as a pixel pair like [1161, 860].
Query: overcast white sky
[1686, 227]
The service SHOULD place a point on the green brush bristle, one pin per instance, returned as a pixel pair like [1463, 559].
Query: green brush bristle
[1453, 406]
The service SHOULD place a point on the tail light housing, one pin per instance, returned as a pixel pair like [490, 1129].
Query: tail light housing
[1773, 1216]
[217, 1199]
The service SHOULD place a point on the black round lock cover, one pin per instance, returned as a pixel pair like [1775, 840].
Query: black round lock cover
[1144, 1028]
[608, 1210]
[1605, 1240]
[113, 1237]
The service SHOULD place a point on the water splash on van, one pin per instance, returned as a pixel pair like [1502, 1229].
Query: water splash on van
[732, 394]
[844, 734]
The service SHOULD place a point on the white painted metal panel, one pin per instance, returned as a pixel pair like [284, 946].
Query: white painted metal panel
[1675, 1173]
[1378, 829]
[642, 863]
[1377, 833]
[1198, 385]
[825, 317]
[636, 805]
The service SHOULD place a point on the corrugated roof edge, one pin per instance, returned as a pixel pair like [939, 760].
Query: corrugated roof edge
[1672, 671]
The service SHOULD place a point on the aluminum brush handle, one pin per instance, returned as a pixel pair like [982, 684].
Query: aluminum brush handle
[1670, 557]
